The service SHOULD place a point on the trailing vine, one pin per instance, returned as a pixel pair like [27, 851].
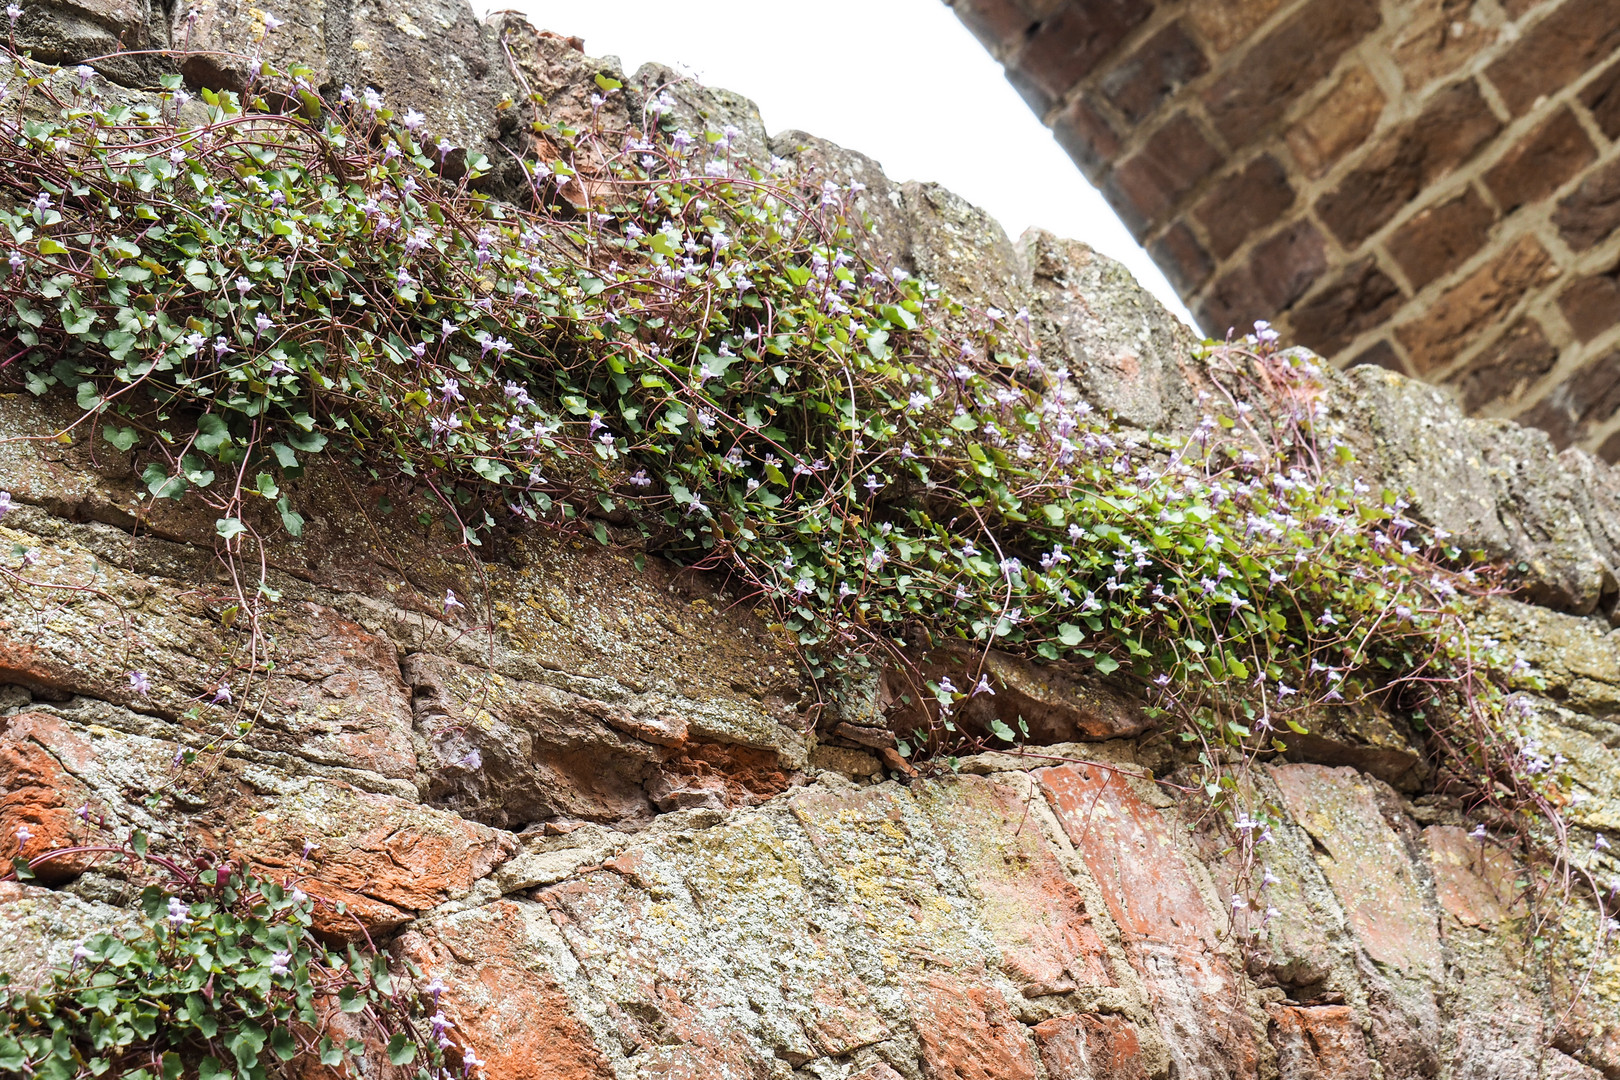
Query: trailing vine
[219, 976]
[674, 347]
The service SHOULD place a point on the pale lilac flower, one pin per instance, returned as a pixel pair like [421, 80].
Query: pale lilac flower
[280, 963]
[179, 913]
[222, 696]
[413, 120]
[450, 601]
[140, 683]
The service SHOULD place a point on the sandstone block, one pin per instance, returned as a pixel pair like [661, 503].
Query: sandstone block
[1454, 126]
[1442, 237]
[1322, 1042]
[1283, 65]
[1478, 301]
[1338, 123]
[1541, 162]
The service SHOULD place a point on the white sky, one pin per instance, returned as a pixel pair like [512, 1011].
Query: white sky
[900, 80]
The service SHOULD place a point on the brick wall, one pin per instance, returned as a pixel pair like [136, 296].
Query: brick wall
[1429, 185]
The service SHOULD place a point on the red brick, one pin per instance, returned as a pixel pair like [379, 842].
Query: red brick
[1449, 132]
[1088, 138]
[1361, 298]
[1574, 38]
[1589, 215]
[1439, 36]
[1581, 402]
[1279, 271]
[1506, 369]
[1063, 49]
[1541, 162]
[1086, 1047]
[1479, 301]
[1610, 452]
[1244, 203]
[1592, 304]
[1280, 68]
[1322, 1042]
[1602, 99]
[1166, 62]
[1148, 185]
[1182, 258]
[1338, 123]
[1442, 237]
[1224, 23]
[998, 24]
[968, 1033]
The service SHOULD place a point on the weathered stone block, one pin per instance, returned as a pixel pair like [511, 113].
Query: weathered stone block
[1322, 1042]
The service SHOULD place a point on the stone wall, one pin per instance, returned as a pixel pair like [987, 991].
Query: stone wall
[616, 826]
[1427, 185]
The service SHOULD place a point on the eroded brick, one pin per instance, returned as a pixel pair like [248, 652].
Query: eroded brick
[1148, 184]
[1143, 81]
[1280, 68]
[1451, 130]
[968, 1033]
[1361, 298]
[1589, 214]
[1541, 162]
[1441, 238]
[1479, 301]
[1506, 369]
[1572, 39]
[1338, 123]
[1244, 203]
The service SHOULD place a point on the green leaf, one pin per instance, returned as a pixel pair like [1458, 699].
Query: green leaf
[47, 246]
[284, 455]
[120, 438]
[1105, 664]
[291, 520]
[229, 528]
[1070, 634]
[212, 434]
[401, 1051]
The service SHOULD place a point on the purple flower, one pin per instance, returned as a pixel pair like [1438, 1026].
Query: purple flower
[222, 696]
[262, 324]
[280, 963]
[140, 683]
[179, 913]
[450, 601]
[472, 759]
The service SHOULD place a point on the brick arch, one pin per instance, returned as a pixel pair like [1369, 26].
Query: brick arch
[1429, 185]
